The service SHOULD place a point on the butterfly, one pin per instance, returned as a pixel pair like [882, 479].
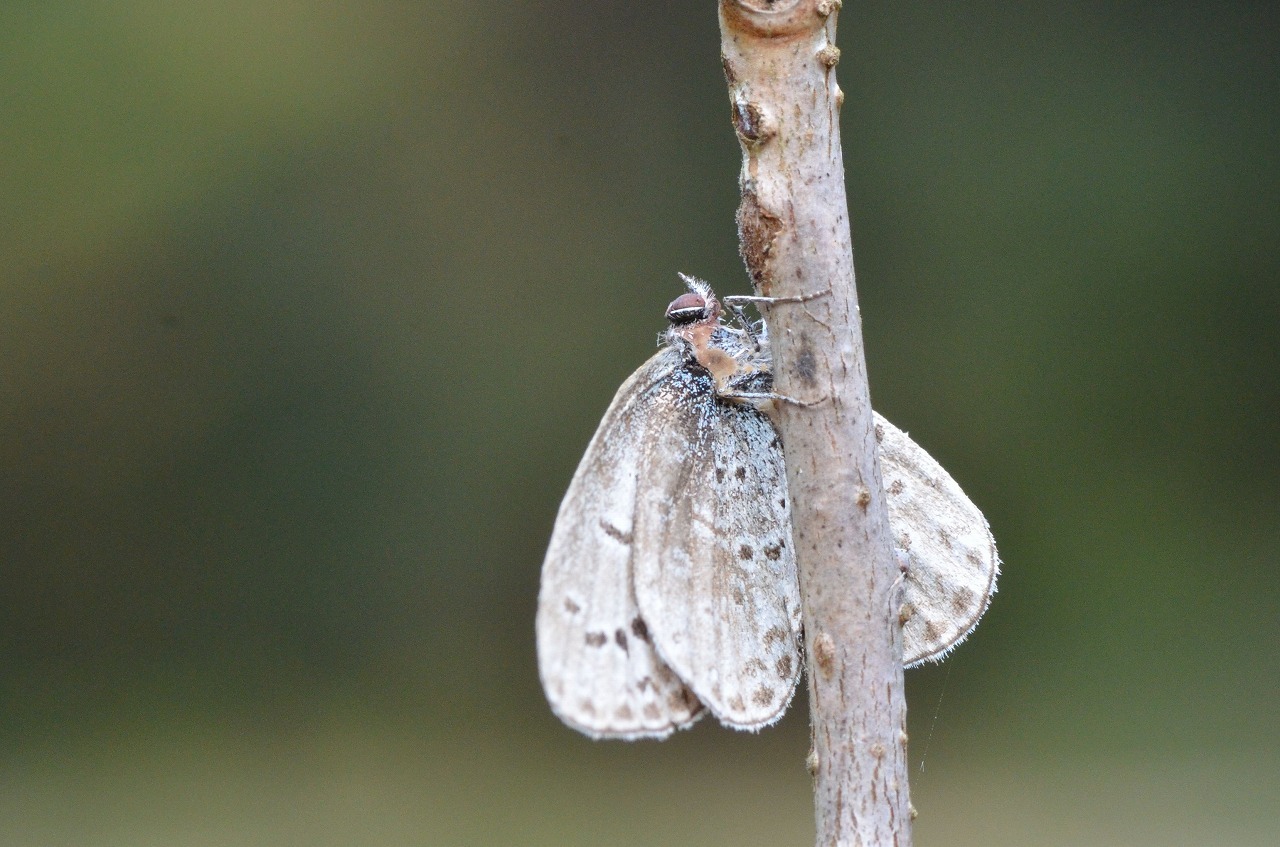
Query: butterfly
[669, 585]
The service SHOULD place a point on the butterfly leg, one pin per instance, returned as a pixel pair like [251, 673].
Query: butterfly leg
[744, 322]
[759, 398]
[735, 300]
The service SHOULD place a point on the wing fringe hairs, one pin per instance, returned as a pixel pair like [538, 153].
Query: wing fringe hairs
[669, 585]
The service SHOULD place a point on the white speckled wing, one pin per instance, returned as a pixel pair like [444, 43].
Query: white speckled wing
[951, 557]
[599, 669]
[715, 572]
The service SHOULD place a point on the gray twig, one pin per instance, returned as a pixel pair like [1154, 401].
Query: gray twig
[779, 61]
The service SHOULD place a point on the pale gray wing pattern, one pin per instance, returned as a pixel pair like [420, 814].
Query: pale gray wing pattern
[951, 555]
[597, 663]
[714, 567]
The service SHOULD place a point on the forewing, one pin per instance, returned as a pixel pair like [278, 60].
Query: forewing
[715, 572]
[597, 663]
[952, 563]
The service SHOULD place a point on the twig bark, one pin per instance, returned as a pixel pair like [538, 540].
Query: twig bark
[779, 61]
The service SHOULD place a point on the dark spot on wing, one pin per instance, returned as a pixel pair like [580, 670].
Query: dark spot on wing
[745, 552]
[640, 630]
[587, 707]
[754, 668]
[896, 487]
[651, 712]
[615, 533]
[962, 601]
[776, 633]
[879, 433]
[783, 667]
[773, 552]
[782, 503]
[719, 474]
[623, 713]
[621, 638]
[775, 443]
[932, 632]
[736, 704]
[763, 696]
[740, 473]
[571, 607]
[596, 639]
[739, 599]
[681, 699]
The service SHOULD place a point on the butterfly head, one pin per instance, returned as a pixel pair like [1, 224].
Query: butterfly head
[698, 306]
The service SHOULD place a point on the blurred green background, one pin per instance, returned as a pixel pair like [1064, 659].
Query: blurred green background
[309, 309]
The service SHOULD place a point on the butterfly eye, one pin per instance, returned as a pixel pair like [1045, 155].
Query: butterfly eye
[686, 309]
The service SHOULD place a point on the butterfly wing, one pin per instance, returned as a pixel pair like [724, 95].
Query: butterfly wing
[599, 669]
[715, 572]
[952, 562]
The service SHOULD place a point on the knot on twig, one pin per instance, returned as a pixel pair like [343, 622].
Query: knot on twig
[751, 123]
[757, 228]
[771, 18]
[824, 655]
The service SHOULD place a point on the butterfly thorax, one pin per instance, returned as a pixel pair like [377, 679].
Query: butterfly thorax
[735, 362]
